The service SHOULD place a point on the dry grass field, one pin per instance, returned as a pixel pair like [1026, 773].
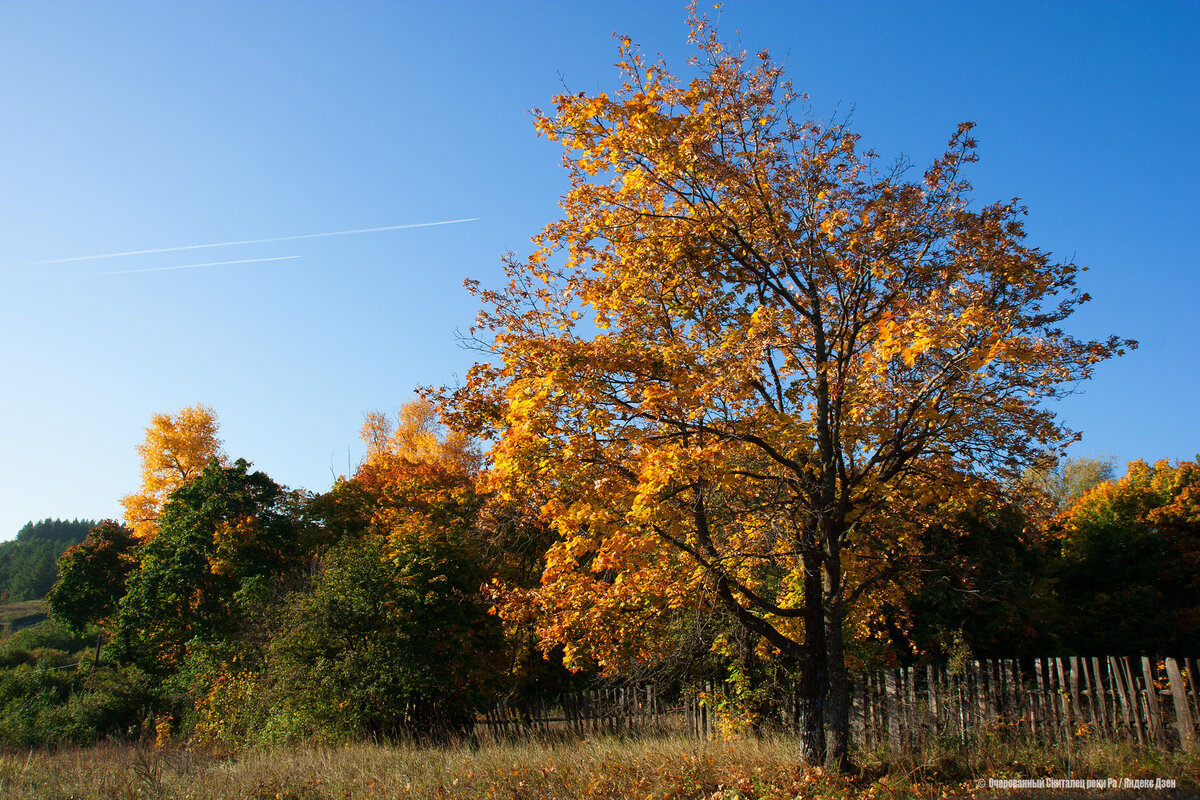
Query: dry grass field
[600, 769]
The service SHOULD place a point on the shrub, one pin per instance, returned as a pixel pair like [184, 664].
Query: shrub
[390, 641]
[45, 706]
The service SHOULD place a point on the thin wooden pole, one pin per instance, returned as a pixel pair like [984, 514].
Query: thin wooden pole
[1076, 705]
[1064, 701]
[931, 693]
[1134, 700]
[1043, 716]
[1100, 697]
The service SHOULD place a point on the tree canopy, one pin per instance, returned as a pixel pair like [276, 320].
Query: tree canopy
[92, 576]
[1128, 572]
[222, 539]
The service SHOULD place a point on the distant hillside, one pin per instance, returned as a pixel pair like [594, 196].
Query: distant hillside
[28, 564]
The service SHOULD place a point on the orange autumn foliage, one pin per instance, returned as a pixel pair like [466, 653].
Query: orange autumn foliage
[417, 480]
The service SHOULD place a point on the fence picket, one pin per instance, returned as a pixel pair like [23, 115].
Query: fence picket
[1135, 701]
[1062, 698]
[1183, 715]
[1153, 713]
[1076, 706]
[1101, 697]
[931, 695]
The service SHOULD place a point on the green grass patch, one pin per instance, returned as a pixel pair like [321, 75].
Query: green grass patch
[20, 614]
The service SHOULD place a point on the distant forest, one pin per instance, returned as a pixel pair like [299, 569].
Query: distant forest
[29, 564]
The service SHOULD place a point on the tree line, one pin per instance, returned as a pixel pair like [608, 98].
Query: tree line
[398, 603]
[28, 564]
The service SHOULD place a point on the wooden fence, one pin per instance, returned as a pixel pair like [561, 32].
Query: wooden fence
[1149, 702]
[613, 709]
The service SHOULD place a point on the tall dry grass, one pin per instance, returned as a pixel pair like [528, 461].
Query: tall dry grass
[605, 768]
[600, 769]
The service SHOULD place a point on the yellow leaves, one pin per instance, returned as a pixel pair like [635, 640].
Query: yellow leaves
[920, 343]
[177, 447]
[230, 538]
[417, 436]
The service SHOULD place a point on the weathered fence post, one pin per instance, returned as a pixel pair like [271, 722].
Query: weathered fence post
[1086, 691]
[1066, 723]
[931, 692]
[1152, 708]
[1100, 697]
[1117, 674]
[891, 690]
[1073, 684]
[1183, 714]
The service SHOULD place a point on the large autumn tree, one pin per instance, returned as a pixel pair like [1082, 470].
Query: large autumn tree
[748, 355]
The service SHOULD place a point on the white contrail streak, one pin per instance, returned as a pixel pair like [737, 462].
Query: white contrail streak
[194, 266]
[251, 241]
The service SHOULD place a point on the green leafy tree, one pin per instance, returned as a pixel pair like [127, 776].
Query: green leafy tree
[392, 638]
[224, 538]
[93, 575]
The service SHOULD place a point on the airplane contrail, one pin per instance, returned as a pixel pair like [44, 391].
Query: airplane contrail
[250, 241]
[194, 266]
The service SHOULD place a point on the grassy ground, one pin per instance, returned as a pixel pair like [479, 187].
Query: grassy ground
[14, 616]
[602, 769]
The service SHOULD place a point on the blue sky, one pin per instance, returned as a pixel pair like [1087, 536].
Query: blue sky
[141, 126]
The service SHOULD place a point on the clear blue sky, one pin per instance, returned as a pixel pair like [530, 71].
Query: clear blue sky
[130, 126]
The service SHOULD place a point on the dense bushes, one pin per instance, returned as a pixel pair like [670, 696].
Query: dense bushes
[51, 694]
[381, 645]
[388, 643]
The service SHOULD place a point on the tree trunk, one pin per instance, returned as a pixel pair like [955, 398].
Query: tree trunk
[837, 755]
[814, 680]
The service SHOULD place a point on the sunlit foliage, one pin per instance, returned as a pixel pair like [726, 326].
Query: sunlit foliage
[176, 448]
[750, 354]
[1129, 571]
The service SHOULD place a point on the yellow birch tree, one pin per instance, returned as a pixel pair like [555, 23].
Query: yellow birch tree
[177, 447]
